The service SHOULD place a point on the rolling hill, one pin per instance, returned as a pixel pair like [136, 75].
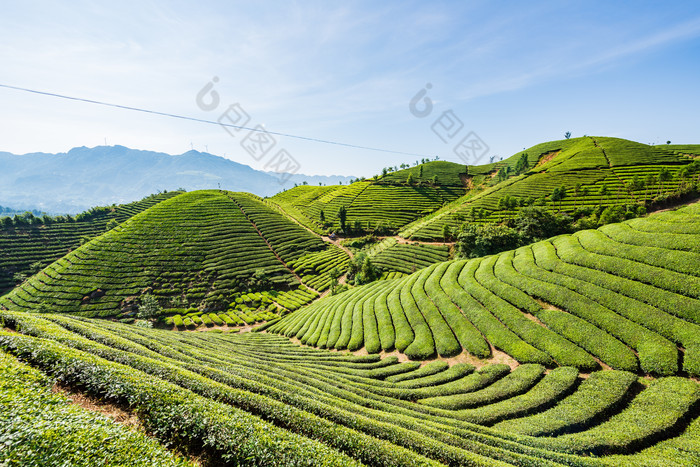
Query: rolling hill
[384, 204]
[626, 296]
[581, 350]
[258, 399]
[44, 240]
[627, 173]
[198, 247]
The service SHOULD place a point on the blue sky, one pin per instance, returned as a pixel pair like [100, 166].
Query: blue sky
[515, 73]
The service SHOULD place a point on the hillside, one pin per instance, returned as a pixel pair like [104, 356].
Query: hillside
[30, 240]
[196, 248]
[580, 350]
[625, 296]
[594, 171]
[384, 204]
[84, 177]
[256, 399]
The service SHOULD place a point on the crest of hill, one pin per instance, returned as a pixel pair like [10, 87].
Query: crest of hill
[197, 247]
[379, 205]
[371, 207]
[626, 296]
[583, 166]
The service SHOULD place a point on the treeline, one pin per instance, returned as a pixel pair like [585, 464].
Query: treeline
[532, 224]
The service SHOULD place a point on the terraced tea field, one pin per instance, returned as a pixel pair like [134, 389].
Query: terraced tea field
[23, 245]
[196, 247]
[578, 350]
[369, 204]
[625, 296]
[595, 171]
[258, 399]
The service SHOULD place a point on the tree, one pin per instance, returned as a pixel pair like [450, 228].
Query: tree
[446, 232]
[361, 270]
[555, 196]
[567, 135]
[536, 223]
[342, 217]
[668, 142]
[664, 176]
[479, 240]
[149, 307]
[435, 180]
[563, 193]
[409, 179]
[322, 217]
[649, 181]
[259, 281]
[577, 191]
[501, 174]
[523, 164]
[111, 224]
[420, 172]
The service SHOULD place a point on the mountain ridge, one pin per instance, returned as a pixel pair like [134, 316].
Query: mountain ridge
[83, 177]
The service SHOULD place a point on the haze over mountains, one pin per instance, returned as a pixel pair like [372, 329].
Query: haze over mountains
[83, 177]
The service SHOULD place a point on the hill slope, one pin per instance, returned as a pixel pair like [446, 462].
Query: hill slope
[625, 296]
[198, 247]
[25, 243]
[256, 399]
[627, 172]
[384, 204]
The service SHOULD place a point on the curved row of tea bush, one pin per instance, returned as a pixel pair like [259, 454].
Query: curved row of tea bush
[574, 300]
[195, 248]
[358, 406]
[22, 246]
[628, 172]
[41, 427]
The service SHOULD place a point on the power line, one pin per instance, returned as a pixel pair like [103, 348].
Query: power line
[210, 122]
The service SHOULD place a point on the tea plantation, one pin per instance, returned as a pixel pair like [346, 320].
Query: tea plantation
[36, 240]
[193, 248]
[625, 296]
[257, 399]
[229, 327]
[594, 171]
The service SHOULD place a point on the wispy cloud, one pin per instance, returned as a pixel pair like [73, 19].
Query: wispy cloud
[321, 69]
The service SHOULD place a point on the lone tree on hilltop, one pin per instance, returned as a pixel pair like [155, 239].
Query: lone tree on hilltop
[567, 135]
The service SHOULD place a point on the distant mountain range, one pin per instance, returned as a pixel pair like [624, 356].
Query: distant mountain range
[84, 177]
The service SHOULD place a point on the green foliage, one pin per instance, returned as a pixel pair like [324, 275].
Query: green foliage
[476, 240]
[361, 270]
[149, 307]
[39, 427]
[45, 239]
[342, 217]
[330, 408]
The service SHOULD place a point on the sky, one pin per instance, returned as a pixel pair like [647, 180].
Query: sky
[508, 75]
